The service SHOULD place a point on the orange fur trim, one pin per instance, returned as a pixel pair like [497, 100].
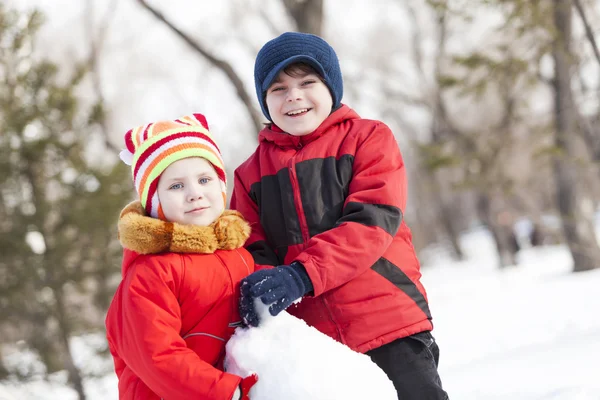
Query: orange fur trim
[147, 235]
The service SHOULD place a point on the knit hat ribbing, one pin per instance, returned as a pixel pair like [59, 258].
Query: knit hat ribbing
[151, 148]
[294, 47]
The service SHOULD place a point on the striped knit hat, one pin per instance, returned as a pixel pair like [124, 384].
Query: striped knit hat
[151, 148]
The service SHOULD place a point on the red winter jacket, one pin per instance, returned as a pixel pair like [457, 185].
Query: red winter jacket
[333, 200]
[175, 308]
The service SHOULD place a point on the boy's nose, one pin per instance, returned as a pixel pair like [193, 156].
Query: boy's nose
[294, 94]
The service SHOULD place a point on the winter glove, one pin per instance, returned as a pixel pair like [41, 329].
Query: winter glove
[279, 287]
[241, 393]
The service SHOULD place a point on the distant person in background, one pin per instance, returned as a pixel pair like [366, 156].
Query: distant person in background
[177, 304]
[325, 194]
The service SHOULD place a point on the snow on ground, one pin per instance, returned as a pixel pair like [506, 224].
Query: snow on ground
[526, 332]
[530, 332]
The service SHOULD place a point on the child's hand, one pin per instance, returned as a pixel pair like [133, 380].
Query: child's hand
[277, 287]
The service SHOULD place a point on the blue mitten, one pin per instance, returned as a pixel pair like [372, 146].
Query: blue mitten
[279, 287]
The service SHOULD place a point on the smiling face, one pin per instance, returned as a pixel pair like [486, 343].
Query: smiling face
[298, 101]
[190, 192]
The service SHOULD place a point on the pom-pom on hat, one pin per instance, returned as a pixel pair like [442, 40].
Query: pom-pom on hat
[151, 148]
[294, 47]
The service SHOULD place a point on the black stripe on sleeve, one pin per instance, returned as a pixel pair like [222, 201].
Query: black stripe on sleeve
[386, 217]
[399, 279]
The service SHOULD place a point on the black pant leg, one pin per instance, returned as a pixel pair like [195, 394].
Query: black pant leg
[411, 364]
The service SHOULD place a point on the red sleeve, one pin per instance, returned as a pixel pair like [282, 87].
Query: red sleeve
[371, 217]
[257, 243]
[145, 333]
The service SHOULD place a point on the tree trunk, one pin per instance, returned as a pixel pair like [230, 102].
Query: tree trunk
[502, 234]
[440, 127]
[578, 231]
[307, 14]
[451, 232]
[75, 378]
[435, 213]
[444, 212]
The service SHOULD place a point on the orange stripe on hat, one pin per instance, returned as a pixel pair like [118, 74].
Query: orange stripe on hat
[172, 150]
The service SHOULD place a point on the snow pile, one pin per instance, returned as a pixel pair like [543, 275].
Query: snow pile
[297, 362]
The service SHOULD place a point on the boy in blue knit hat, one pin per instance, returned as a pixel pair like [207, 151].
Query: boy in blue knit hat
[325, 194]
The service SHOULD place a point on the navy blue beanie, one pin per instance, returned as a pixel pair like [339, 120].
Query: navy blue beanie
[294, 47]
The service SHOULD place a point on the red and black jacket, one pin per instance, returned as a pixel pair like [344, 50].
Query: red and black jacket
[333, 200]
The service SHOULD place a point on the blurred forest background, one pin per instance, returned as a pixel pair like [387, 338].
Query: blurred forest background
[495, 105]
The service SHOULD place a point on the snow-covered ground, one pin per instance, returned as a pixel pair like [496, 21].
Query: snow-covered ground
[528, 332]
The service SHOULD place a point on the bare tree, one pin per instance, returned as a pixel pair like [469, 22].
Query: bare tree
[308, 15]
[578, 231]
[442, 126]
[435, 170]
[589, 32]
[220, 64]
[590, 127]
[475, 157]
[96, 41]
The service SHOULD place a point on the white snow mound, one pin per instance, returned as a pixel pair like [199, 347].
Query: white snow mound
[294, 361]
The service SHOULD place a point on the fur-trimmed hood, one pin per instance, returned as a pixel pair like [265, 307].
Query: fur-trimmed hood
[146, 235]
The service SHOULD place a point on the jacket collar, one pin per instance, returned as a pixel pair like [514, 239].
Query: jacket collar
[275, 135]
[146, 235]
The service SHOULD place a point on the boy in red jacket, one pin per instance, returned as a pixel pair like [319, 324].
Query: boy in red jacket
[325, 193]
[176, 306]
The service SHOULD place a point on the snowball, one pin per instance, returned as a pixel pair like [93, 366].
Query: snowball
[294, 361]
